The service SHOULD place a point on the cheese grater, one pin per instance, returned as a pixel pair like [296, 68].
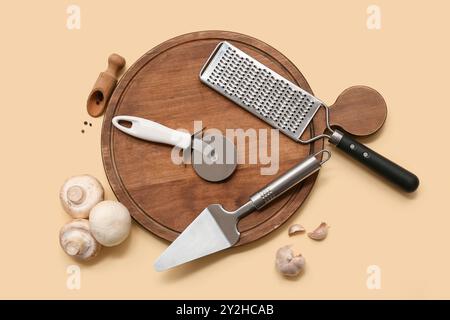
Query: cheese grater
[259, 90]
[287, 107]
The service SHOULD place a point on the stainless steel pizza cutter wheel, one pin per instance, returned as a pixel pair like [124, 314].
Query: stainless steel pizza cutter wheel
[218, 162]
[213, 157]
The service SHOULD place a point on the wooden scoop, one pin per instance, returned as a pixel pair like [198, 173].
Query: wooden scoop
[104, 86]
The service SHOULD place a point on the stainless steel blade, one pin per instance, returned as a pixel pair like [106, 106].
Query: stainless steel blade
[217, 162]
[199, 146]
[213, 230]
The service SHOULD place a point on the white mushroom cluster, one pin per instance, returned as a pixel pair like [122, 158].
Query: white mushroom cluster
[109, 221]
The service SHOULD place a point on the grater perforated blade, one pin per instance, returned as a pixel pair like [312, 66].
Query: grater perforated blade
[259, 90]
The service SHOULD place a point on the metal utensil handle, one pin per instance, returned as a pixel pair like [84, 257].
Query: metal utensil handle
[288, 180]
[393, 172]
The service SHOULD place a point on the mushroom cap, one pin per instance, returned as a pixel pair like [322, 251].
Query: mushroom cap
[110, 222]
[77, 241]
[79, 194]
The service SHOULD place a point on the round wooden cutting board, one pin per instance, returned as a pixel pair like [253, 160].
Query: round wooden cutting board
[164, 86]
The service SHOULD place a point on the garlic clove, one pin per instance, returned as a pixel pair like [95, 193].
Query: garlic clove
[77, 241]
[287, 263]
[79, 194]
[110, 222]
[320, 232]
[295, 228]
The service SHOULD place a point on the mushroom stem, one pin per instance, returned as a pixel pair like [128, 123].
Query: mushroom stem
[77, 241]
[73, 248]
[79, 194]
[75, 194]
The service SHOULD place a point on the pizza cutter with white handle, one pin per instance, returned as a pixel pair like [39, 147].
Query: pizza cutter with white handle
[213, 157]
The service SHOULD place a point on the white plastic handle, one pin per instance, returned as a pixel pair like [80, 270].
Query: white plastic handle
[152, 131]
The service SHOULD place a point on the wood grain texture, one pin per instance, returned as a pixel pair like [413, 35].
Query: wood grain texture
[164, 86]
[359, 110]
[104, 86]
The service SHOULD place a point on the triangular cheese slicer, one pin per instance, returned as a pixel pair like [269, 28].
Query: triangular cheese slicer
[215, 228]
[287, 107]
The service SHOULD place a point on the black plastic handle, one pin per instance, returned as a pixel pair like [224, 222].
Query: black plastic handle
[381, 165]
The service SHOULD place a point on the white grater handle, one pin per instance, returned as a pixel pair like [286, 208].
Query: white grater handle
[152, 131]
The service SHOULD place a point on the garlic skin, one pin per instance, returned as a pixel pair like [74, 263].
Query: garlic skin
[295, 228]
[287, 263]
[110, 223]
[320, 232]
[77, 241]
[79, 194]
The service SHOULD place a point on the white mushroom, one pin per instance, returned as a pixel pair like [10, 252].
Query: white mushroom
[295, 228]
[77, 241]
[287, 263]
[110, 222]
[80, 194]
[320, 232]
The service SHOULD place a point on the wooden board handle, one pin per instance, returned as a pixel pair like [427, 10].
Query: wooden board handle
[104, 86]
[359, 110]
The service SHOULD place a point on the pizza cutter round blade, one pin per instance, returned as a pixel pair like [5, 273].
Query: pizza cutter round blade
[216, 159]
[213, 156]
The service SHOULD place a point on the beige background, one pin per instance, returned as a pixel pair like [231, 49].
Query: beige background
[48, 70]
